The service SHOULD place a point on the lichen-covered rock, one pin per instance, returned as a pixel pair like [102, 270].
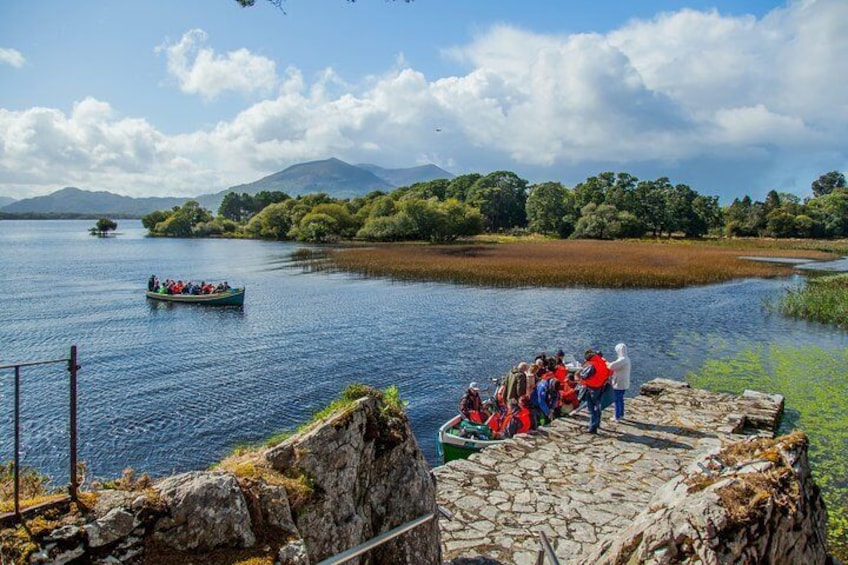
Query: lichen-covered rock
[115, 525]
[753, 502]
[293, 553]
[367, 476]
[206, 511]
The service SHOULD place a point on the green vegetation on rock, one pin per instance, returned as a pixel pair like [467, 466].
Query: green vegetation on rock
[813, 382]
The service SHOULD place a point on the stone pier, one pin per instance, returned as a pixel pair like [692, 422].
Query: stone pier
[582, 489]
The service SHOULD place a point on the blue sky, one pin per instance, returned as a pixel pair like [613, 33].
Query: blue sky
[184, 97]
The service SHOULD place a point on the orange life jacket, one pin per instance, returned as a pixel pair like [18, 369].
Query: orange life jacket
[523, 417]
[601, 375]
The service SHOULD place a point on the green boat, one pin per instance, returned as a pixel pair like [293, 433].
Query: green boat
[455, 441]
[232, 297]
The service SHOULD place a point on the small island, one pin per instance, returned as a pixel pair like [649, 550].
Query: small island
[103, 227]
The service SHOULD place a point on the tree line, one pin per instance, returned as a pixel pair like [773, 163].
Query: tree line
[606, 206]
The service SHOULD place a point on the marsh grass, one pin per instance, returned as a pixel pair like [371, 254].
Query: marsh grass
[822, 299]
[813, 383]
[571, 263]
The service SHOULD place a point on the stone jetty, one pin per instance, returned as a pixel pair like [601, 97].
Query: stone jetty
[583, 490]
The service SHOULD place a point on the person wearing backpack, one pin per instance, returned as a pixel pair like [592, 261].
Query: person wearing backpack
[594, 376]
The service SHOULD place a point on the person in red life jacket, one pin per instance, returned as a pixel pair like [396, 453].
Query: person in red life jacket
[594, 376]
[520, 421]
[568, 395]
[471, 406]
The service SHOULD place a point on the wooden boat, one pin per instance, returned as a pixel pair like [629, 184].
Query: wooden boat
[456, 443]
[232, 297]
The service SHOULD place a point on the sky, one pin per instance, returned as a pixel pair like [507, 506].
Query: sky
[189, 97]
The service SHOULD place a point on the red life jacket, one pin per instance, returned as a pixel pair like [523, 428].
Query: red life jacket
[561, 373]
[601, 375]
[523, 417]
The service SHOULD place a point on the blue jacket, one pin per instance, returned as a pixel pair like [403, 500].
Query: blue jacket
[542, 397]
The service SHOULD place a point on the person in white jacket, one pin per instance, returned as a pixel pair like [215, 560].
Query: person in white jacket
[620, 379]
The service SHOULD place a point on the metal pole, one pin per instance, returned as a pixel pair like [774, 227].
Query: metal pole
[17, 443]
[72, 368]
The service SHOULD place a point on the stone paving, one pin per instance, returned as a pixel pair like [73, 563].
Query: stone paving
[579, 488]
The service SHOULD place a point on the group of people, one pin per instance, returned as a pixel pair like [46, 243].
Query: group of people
[179, 287]
[533, 394]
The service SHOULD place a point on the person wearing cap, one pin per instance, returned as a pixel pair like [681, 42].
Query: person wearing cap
[471, 406]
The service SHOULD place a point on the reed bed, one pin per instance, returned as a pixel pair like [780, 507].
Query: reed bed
[823, 299]
[567, 263]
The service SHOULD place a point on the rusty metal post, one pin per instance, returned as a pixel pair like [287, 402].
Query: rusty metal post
[72, 368]
[17, 442]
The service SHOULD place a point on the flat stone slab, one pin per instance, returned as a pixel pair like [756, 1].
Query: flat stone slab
[579, 488]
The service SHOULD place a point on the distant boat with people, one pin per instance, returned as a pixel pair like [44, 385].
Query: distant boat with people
[192, 293]
[231, 297]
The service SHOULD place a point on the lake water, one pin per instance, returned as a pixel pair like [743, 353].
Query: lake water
[166, 388]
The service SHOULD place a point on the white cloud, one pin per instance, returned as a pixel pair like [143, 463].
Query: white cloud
[11, 57]
[200, 70]
[729, 103]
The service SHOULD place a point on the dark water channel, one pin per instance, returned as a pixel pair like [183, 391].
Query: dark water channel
[167, 388]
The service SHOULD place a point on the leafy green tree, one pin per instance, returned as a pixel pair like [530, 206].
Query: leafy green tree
[679, 213]
[237, 207]
[622, 193]
[805, 226]
[383, 206]
[184, 220]
[501, 197]
[780, 224]
[426, 190]
[265, 198]
[744, 218]
[597, 221]
[458, 219]
[831, 211]
[827, 183]
[594, 189]
[150, 220]
[547, 206]
[104, 226]
[707, 215]
[273, 222]
[650, 204]
[316, 227]
[396, 227]
[460, 186]
[346, 224]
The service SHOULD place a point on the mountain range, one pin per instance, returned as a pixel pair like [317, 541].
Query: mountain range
[333, 176]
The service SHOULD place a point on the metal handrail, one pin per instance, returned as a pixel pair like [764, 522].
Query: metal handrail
[72, 370]
[546, 551]
[377, 541]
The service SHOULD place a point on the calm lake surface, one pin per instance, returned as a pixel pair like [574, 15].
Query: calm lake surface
[168, 388]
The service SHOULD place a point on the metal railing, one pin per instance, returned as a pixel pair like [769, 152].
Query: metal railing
[546, 551]
[379, 540]
[72, 424]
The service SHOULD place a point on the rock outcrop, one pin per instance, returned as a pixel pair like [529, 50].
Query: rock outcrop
[367, 476]
[753, 502]
[354, 475]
